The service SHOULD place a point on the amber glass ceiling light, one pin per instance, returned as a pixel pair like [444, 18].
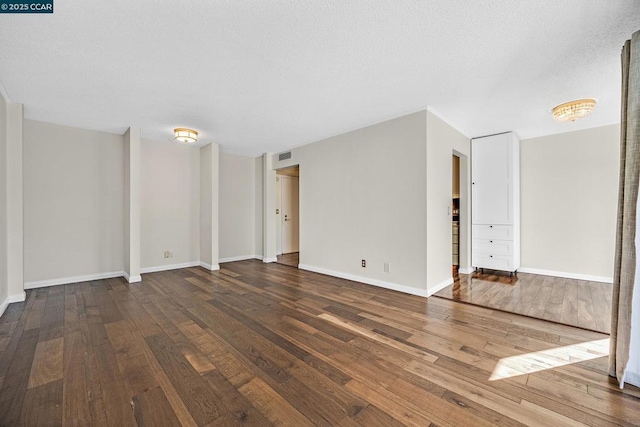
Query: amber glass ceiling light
[570, 111]
[185, 135]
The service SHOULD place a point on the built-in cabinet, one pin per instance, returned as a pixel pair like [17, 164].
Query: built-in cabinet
[495, 213]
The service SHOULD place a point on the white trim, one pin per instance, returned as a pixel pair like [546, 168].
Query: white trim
[440, 286]
[11, 299]
[75, 279]
[131, 279]
[267, 260]
[209, 266]
[239, 258]
[577, 276]
[169, 267]
[467, 270]
[380, 283]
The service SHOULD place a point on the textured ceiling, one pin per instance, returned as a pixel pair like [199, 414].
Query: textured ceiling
[260, 75]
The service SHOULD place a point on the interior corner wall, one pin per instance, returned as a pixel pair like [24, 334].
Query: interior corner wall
[4, 285]
[73, 202]
[363, 196]
[569, 191]
[259, 205]
[442, 141]
[170, 205]
[237, 207]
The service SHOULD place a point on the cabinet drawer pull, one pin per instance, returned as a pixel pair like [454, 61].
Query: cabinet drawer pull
[491, 226]
[490, 241]
[490, 256]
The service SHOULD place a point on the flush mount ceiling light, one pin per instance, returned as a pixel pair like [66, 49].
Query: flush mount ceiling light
[185, 135]
[570, 111]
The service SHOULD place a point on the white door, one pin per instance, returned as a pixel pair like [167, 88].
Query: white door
[289, 214]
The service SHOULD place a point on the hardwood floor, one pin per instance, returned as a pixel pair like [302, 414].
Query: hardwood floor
[264, 344]
[568, 301]
[292, 259]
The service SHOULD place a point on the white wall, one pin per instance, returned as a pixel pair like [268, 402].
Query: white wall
[442, 140]
[237, 207]
[170, 203]
[73, 202]
[4, 286]
[569, 190]
[363, 196]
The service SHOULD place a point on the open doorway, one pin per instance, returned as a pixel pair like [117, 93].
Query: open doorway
[455, 216]
[287, 216]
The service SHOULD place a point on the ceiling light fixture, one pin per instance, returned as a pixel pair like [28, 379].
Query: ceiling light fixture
[570, 111]
[185, 135]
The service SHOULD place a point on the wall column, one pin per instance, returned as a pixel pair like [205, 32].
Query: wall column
[269, 209]
[132, 205]
[209, 206]
[15, 226]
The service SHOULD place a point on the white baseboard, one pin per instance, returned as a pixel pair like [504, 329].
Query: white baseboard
[366, 280]
[239, 258]
[274, 259]
[131, 279]
[467, 270]
[440, 286]
[577, 276]
[209, 266]
[169, 267]
[11, 299]
[76, 279]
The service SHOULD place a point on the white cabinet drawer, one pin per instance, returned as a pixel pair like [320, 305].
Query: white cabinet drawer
[488, 231]
[492, 246]
[493, 262]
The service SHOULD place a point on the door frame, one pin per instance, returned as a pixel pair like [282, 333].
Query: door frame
[269, 219]
[464, 238]
[283, 178]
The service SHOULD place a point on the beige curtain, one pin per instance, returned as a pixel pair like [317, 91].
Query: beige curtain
[625, 260]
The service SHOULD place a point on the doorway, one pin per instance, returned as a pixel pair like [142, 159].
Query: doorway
[455, 216]
[288, 216]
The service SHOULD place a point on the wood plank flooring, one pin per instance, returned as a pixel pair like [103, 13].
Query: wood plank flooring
[568, 301]
[264, 344]
[291, 259]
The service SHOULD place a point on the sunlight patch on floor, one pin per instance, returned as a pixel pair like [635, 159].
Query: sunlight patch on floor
[528, 363]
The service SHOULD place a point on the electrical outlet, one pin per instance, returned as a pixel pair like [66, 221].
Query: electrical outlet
[386, 267]
[168, 254]
[364, 263]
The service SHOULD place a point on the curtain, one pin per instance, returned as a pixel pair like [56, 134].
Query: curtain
[625, 259]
